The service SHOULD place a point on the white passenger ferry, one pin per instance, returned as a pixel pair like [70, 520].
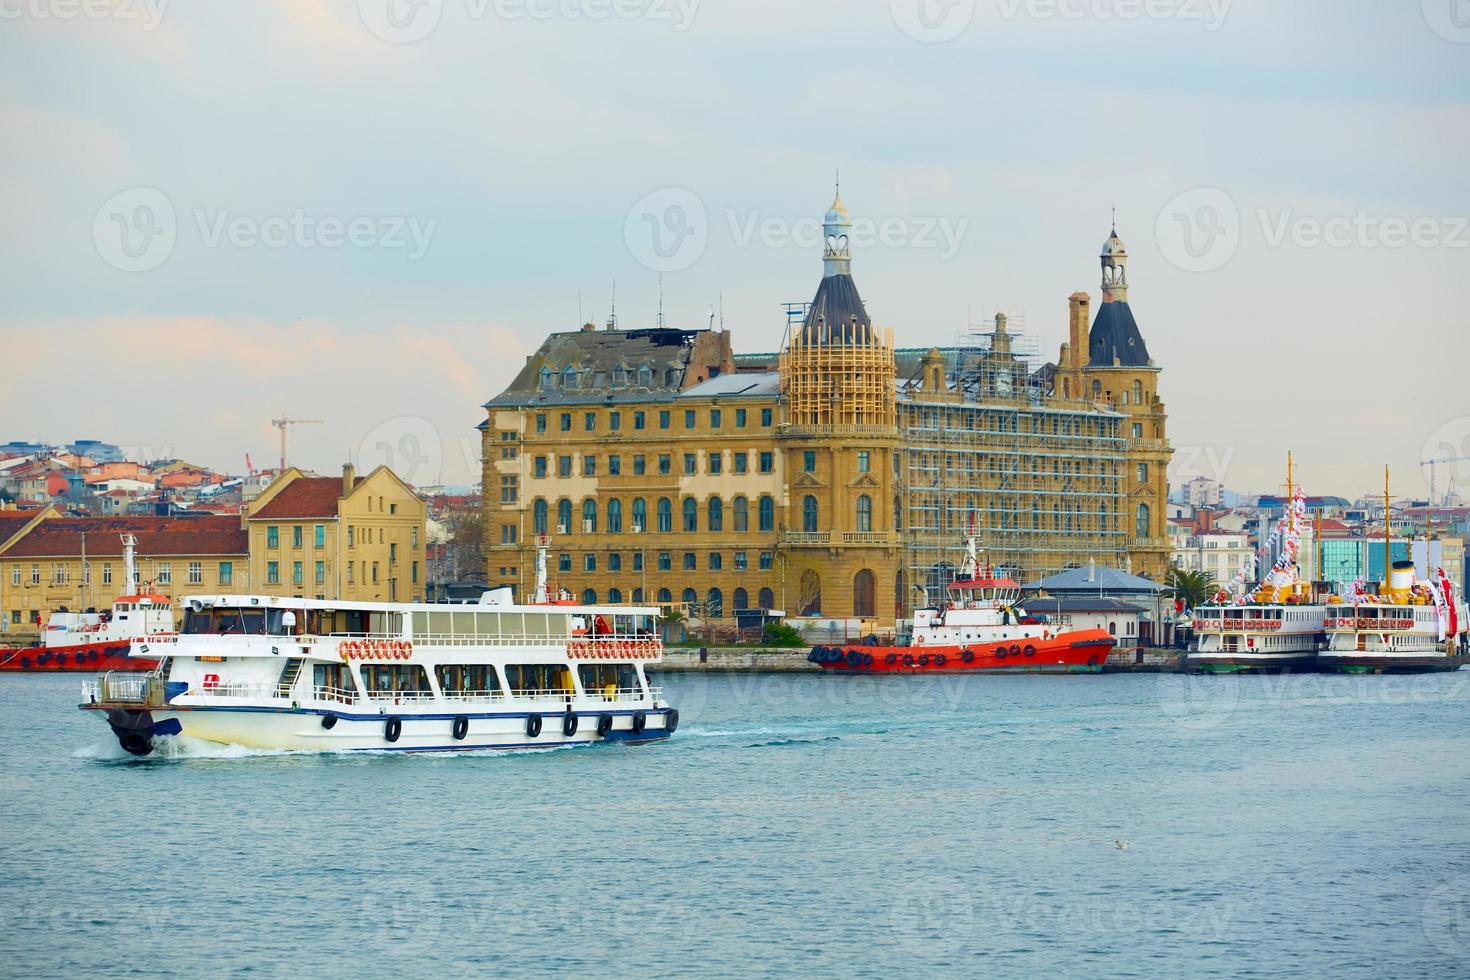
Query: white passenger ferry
[284, 673]
[1407, 627]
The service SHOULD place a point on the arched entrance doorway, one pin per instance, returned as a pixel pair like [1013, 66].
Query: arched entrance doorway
[863, 588]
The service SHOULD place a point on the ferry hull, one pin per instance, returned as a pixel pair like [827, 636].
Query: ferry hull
[1079, 652]
[1245, 663]
[305, 730]
[1426, 662]
[86, 658]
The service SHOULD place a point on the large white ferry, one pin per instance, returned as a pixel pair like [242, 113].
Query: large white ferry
[299, 674]
[1407, 627]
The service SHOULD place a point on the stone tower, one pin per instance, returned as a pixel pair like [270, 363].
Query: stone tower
[838, 437]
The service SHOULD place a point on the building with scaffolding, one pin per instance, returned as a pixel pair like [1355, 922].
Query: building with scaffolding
[838, 478]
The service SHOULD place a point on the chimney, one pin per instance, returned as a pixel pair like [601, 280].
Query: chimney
[349, 478]
[1078, 319]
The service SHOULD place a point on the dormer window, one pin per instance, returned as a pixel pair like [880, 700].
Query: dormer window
[569, 377]
[547, 378]
[645, 376]
[620, 376]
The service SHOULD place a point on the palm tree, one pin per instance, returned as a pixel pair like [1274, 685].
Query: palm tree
[1192, 587]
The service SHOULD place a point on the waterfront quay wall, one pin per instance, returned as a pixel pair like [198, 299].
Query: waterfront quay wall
[742, 659]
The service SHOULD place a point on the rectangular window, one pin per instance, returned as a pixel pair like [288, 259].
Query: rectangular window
[507, 534]
[665, 464]
[589, 562]
[296, 578]
[35, 574]
[508, 489]
[413, 538]
[689, 418]
[416, 573]
[272, 537]
[589, 465]
[564, 467]
[566, 421]
[539, 467]
[767, 560]
[351, 536]
[741, 562]
[766, 417]
[638, 561]
[319, 535]
[689, 464]
[273, 573]
[716, 462]
[739, 418]
[809, 460]
[540, 423]
[663, 419]
[106, 575]
[665, 561]
[768, 462]
[714, 418]
[296, 536]
[226, 573]
[690, 561]
[563, 563]
[614, 562]
[1138, 430]
[165, 573]
[864, 461]
[351, 577]
[741, 461]
[614, 421]
[716, 561]
[614, 466]
[375, 573]
[196, 573]
[15, 575]
[639, 465]
[1142, 472]
[321, 573]
[589, 421]
[639, 420]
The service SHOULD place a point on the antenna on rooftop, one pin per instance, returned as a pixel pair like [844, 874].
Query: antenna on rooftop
[612, 316]
[660, 300]
[722, 311]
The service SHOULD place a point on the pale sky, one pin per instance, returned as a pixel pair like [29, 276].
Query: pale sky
[370, 211]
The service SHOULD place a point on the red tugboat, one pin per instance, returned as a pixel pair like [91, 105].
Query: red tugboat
[975, 627]
[94, 642]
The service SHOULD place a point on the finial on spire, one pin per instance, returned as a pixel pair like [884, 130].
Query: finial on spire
[1115, 217]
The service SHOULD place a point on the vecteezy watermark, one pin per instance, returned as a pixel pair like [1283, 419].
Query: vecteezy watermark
[1363, 229]
[1199, 230]
[408, 445]
[1450, 19]
[407, 21]
[136, 230]
[1446, 457]
[1191, 462]
[1211, 13]
[667, 230]
[944, 235]
[932, 21]
[149, 13]
[1446, 917]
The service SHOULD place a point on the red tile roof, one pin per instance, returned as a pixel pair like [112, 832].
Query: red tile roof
[307, 496]
[61, 537]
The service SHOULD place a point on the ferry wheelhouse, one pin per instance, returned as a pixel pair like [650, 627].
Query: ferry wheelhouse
[299, 674]
[1408, 627]
[975, 625]
[92, 641]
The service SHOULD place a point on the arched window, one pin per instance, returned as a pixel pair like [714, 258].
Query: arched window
[665, 596]
[809, 514]
[665, 515]
[767, 509]
[690, 597]
[767, 599]
[863, 604]
[615, 596]
[589, 597]
[1141, 525]
[864, 513]
[741, 508]
[615, 516]
[640, 514]
[715, 604]
[809, 602]
[589, 516]
[741, 599]
[564, 516]
[716, 514]
[538, 517]
[691, 514]
[637, 597]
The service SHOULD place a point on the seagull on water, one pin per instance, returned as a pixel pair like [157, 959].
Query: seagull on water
[1121, 845]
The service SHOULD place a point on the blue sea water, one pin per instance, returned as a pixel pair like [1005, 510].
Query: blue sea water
[796, 824]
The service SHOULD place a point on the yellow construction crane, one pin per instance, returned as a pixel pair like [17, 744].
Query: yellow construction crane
[283, 423]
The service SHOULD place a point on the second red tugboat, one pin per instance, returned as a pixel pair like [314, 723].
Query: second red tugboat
[974, 627]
